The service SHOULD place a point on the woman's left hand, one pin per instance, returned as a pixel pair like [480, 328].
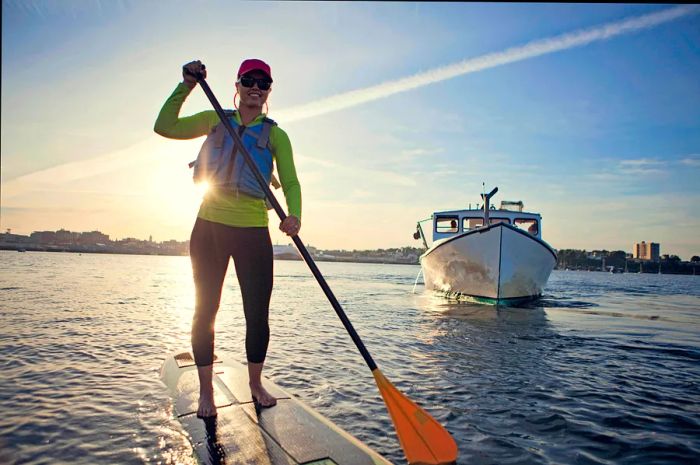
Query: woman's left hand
[291, 225]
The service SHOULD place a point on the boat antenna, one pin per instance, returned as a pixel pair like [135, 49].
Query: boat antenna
[487, 199]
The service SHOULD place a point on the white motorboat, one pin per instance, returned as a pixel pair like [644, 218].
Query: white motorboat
[486, 254]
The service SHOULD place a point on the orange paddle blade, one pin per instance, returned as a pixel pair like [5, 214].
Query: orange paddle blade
[423, 439]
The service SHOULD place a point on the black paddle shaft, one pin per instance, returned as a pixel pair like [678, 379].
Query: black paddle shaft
[280, 212]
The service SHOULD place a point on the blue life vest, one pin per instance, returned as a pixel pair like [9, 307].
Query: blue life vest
[221, 165]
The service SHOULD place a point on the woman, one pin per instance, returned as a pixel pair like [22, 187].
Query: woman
[232, 220]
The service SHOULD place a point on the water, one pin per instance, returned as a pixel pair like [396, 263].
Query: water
[604, 369]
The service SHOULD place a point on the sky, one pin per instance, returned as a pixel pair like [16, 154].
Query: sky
[589, 114]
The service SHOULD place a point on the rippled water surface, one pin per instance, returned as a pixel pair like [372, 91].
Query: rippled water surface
[604, 369]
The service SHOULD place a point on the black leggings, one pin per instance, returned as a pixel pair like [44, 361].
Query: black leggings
[211, 246]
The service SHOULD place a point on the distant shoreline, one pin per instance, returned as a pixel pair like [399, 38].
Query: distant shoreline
[79, 250]
[85, 249]
[684, 269]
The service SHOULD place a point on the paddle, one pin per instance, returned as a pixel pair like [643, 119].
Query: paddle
[423, 439]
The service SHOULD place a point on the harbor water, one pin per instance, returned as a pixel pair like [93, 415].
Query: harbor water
[604, 369]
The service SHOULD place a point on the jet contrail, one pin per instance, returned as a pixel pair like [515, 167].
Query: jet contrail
[491, 60]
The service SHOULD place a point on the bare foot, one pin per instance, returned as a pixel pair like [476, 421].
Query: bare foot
[261, 396]
[207, 407]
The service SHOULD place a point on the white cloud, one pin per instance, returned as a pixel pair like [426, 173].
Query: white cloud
[623, 170]
[642, 167]
[420, 152]
[691, 160]
[641, 162]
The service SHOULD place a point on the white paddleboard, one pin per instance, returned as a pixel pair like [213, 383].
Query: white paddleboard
[290, 433]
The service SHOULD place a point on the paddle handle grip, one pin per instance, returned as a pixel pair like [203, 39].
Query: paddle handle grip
[282, 215]
[197, 76]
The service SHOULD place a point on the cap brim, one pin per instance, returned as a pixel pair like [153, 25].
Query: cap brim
[257, 69]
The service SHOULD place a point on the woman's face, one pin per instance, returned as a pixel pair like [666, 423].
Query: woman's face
[253, 96]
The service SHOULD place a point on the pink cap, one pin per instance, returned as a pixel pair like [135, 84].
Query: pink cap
[253, 64]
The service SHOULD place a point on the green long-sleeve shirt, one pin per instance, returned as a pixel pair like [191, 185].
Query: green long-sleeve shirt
[222, 206]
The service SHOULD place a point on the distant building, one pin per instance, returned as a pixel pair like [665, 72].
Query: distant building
[655, 251]
[65, 237]
[43, 237]
[13, 238]
[93, 238]
[646, 251]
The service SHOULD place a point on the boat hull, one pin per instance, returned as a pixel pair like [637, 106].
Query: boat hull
[499, 264]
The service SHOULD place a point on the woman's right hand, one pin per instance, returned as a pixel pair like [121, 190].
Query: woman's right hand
[190, 70]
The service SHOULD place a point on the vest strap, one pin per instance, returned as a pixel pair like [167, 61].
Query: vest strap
[219, 131]
[264, 137]
[234, 152]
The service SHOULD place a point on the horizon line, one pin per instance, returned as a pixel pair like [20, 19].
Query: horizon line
[187, 240]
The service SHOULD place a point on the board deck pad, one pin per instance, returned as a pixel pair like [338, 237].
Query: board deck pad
[185, 359]
[290, 433]
[232, 438]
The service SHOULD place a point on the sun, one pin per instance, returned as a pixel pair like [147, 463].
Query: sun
[201, 189]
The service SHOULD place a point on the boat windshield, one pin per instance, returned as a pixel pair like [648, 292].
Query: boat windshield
[472, 223]
[446, 224]
[493, 220]
[528, 225]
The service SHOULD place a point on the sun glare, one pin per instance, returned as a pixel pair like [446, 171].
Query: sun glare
[201, 189]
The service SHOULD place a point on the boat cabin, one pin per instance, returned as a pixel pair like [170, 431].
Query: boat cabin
[452, 222]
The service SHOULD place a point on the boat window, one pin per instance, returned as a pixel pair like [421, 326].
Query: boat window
[528, 225]
[499, 220]
[446, 224]
[472, 223]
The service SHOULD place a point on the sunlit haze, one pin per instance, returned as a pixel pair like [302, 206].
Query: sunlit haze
[589, 114]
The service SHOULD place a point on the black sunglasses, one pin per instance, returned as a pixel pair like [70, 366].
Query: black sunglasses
[247, 81]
